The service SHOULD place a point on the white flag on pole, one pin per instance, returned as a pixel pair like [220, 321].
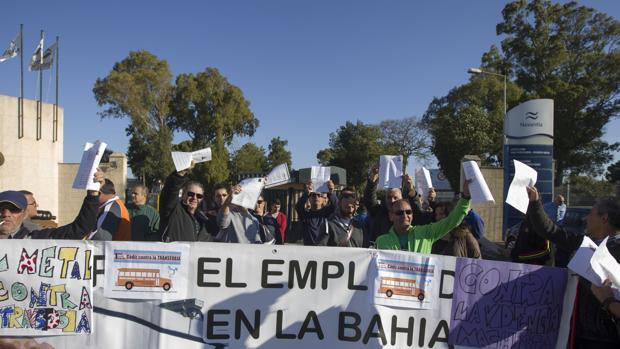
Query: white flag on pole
[37, 57]
[13, 49]
[48, 58]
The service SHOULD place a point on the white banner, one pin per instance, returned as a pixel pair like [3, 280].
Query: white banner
[257, 296]
[45, 288]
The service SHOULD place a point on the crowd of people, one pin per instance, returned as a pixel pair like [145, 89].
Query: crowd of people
[400, 220]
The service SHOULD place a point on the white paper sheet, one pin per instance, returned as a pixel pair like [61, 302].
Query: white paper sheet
[278, 175]
[580, 263]
[319, 175]
[183, 160]
[390, 171]
[251, 189]
[423, 181]
[478, 188]
[91, 157]
[606, 267]
[517, 193]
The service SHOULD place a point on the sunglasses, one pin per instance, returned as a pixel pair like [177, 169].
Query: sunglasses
[403, 212]
[191, 194]
[11, 208]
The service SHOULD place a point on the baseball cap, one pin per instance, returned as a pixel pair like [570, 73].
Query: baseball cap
[15, 198]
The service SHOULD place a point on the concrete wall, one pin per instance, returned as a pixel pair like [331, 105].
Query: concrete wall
[29, 163]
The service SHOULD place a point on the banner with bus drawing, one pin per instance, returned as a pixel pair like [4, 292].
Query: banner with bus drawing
[275, 297]
[146, 270]
[404, 280]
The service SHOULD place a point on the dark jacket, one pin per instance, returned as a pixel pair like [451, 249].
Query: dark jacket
[176, 223]
[594, 325]
[84, 224]
[314, 223]
[531, 248]
[461, 243]
[339, 234]
[379, 216]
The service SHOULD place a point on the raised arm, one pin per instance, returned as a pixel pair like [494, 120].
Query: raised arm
[543, 226]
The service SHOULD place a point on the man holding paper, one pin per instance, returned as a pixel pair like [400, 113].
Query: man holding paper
[180, 218]
[420, 238]
[314, 221]
[595, 325]
[238, 225]
[13, 211]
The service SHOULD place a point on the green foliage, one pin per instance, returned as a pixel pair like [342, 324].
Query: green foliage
[613, 172]
[209, 108]
[354, 147]
[278, 154]
[406, 137]
[568, 53]
[249, 159]
[469, 120]
[139, 88]
[588, 189]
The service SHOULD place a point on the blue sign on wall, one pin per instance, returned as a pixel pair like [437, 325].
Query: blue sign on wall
[540, 158]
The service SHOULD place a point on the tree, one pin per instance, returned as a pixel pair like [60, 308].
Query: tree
[139, 88]
[613, 172]
[469, 120]
[354, 147]
[212, 112]
[278, 153]
[568, 53]
[406, 137]
[249, 159]
[209, 108]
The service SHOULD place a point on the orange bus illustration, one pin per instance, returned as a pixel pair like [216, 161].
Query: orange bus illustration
[138, 277]
[400, 287]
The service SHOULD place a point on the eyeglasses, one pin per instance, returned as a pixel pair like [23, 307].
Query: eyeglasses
[403, 212]
[191, 194]
[33, 204]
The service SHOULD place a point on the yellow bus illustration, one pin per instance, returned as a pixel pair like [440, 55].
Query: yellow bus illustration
[138, 277]
[400, 287]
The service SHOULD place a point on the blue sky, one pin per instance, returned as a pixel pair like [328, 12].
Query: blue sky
[305, 66]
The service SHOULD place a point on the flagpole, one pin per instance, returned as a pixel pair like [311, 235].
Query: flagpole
[20, 103]
[40, 106]
[55, 131]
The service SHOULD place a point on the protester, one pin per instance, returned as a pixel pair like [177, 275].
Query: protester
[460, 242]
[420, 238]
[181, 220]
[378, 212]
[343, 229]
[281, 218]
[314, 219]
[144, 217]
[595, 326]
[531, 248]
[556, 210]
[220, 193]
[13, 212]
[267, 221]
[238, 225]
[113, 222]
[31, 211]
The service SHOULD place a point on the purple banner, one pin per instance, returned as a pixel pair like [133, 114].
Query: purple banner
[506, 305]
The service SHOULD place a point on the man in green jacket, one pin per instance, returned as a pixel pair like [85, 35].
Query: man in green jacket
[420, 238]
